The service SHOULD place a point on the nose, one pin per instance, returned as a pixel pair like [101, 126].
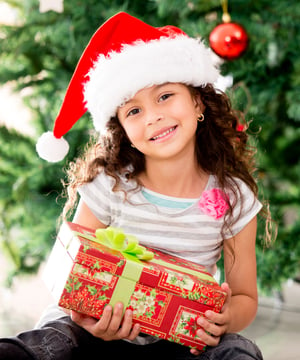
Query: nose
[153, 115]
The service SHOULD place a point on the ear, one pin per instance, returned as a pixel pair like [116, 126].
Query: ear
[198, 103]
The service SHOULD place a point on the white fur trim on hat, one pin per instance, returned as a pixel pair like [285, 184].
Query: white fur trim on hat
[50, 148]
[116, 78]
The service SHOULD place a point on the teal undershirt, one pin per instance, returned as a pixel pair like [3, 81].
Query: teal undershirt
[160, 201]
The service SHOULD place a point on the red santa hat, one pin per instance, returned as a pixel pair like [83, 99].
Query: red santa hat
[124, 56]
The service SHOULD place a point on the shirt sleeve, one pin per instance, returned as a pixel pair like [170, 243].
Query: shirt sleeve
[247, 207]
[97, 196]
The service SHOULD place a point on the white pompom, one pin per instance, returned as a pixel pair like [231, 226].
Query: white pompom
[50, 148]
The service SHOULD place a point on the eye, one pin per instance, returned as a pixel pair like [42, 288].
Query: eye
[165, 97]
[133, 112]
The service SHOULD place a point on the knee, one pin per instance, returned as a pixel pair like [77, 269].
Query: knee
[236, 347]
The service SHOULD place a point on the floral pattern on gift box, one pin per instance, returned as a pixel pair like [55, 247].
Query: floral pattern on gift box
[210, 297]
[95, 272]
[89, 272]
[180, 280]
[148, 304]
[103, 276]
[186, 324]
[144, 303]
[187, 286]
[84, 297]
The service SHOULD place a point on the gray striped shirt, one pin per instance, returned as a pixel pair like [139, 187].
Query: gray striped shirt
[183, 231]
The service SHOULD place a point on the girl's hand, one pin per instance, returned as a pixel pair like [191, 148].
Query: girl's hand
[213, 323]
[110, 326]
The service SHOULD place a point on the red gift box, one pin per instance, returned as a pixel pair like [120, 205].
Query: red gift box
[167, 294]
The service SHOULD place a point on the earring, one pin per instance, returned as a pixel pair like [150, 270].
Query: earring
[132, 146]
[201, 118]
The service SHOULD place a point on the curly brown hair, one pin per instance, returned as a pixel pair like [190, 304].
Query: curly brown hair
[221, 150]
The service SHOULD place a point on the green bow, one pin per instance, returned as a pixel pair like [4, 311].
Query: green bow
[114, 238]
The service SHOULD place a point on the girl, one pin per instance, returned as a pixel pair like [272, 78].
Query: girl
[171, 168]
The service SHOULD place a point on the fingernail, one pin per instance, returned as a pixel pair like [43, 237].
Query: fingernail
[199, 333]
[72, 315]
[108, 308]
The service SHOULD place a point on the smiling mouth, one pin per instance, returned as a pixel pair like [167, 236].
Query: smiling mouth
[165, 133]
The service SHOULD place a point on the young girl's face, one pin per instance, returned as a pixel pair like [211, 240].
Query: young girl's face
[161, 121]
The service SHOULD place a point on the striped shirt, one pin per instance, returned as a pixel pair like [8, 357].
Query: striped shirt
[174, 225]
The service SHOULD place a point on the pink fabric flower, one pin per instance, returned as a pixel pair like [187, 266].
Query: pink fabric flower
[213, 203]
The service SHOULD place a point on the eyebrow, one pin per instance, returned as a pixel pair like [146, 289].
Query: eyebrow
[158, 86]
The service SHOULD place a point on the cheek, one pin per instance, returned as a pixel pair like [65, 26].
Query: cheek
[132, 132]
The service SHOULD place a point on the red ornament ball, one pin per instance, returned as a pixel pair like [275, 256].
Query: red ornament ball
[228, 40]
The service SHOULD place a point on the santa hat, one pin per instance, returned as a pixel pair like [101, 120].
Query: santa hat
[124, 56]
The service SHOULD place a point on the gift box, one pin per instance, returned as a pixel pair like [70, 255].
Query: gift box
[87, 270]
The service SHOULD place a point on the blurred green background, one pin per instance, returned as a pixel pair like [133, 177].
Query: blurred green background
[38, 57]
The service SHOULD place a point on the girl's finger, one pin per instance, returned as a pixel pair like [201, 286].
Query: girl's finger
[213, 317]
[195, 352]
[225, 287]
[116, 319]
[134, 332]
[207, 338]
[126, 327]
[83, 320]
[211, 327]
[103, 323]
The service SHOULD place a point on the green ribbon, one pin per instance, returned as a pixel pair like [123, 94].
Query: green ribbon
[114, 238]
[126, 284]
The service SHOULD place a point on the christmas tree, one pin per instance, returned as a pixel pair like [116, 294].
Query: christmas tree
[39, 55]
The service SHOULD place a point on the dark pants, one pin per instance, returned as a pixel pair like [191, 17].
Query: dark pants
[63, 340]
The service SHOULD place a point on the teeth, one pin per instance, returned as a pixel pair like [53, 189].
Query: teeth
[163, 134]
